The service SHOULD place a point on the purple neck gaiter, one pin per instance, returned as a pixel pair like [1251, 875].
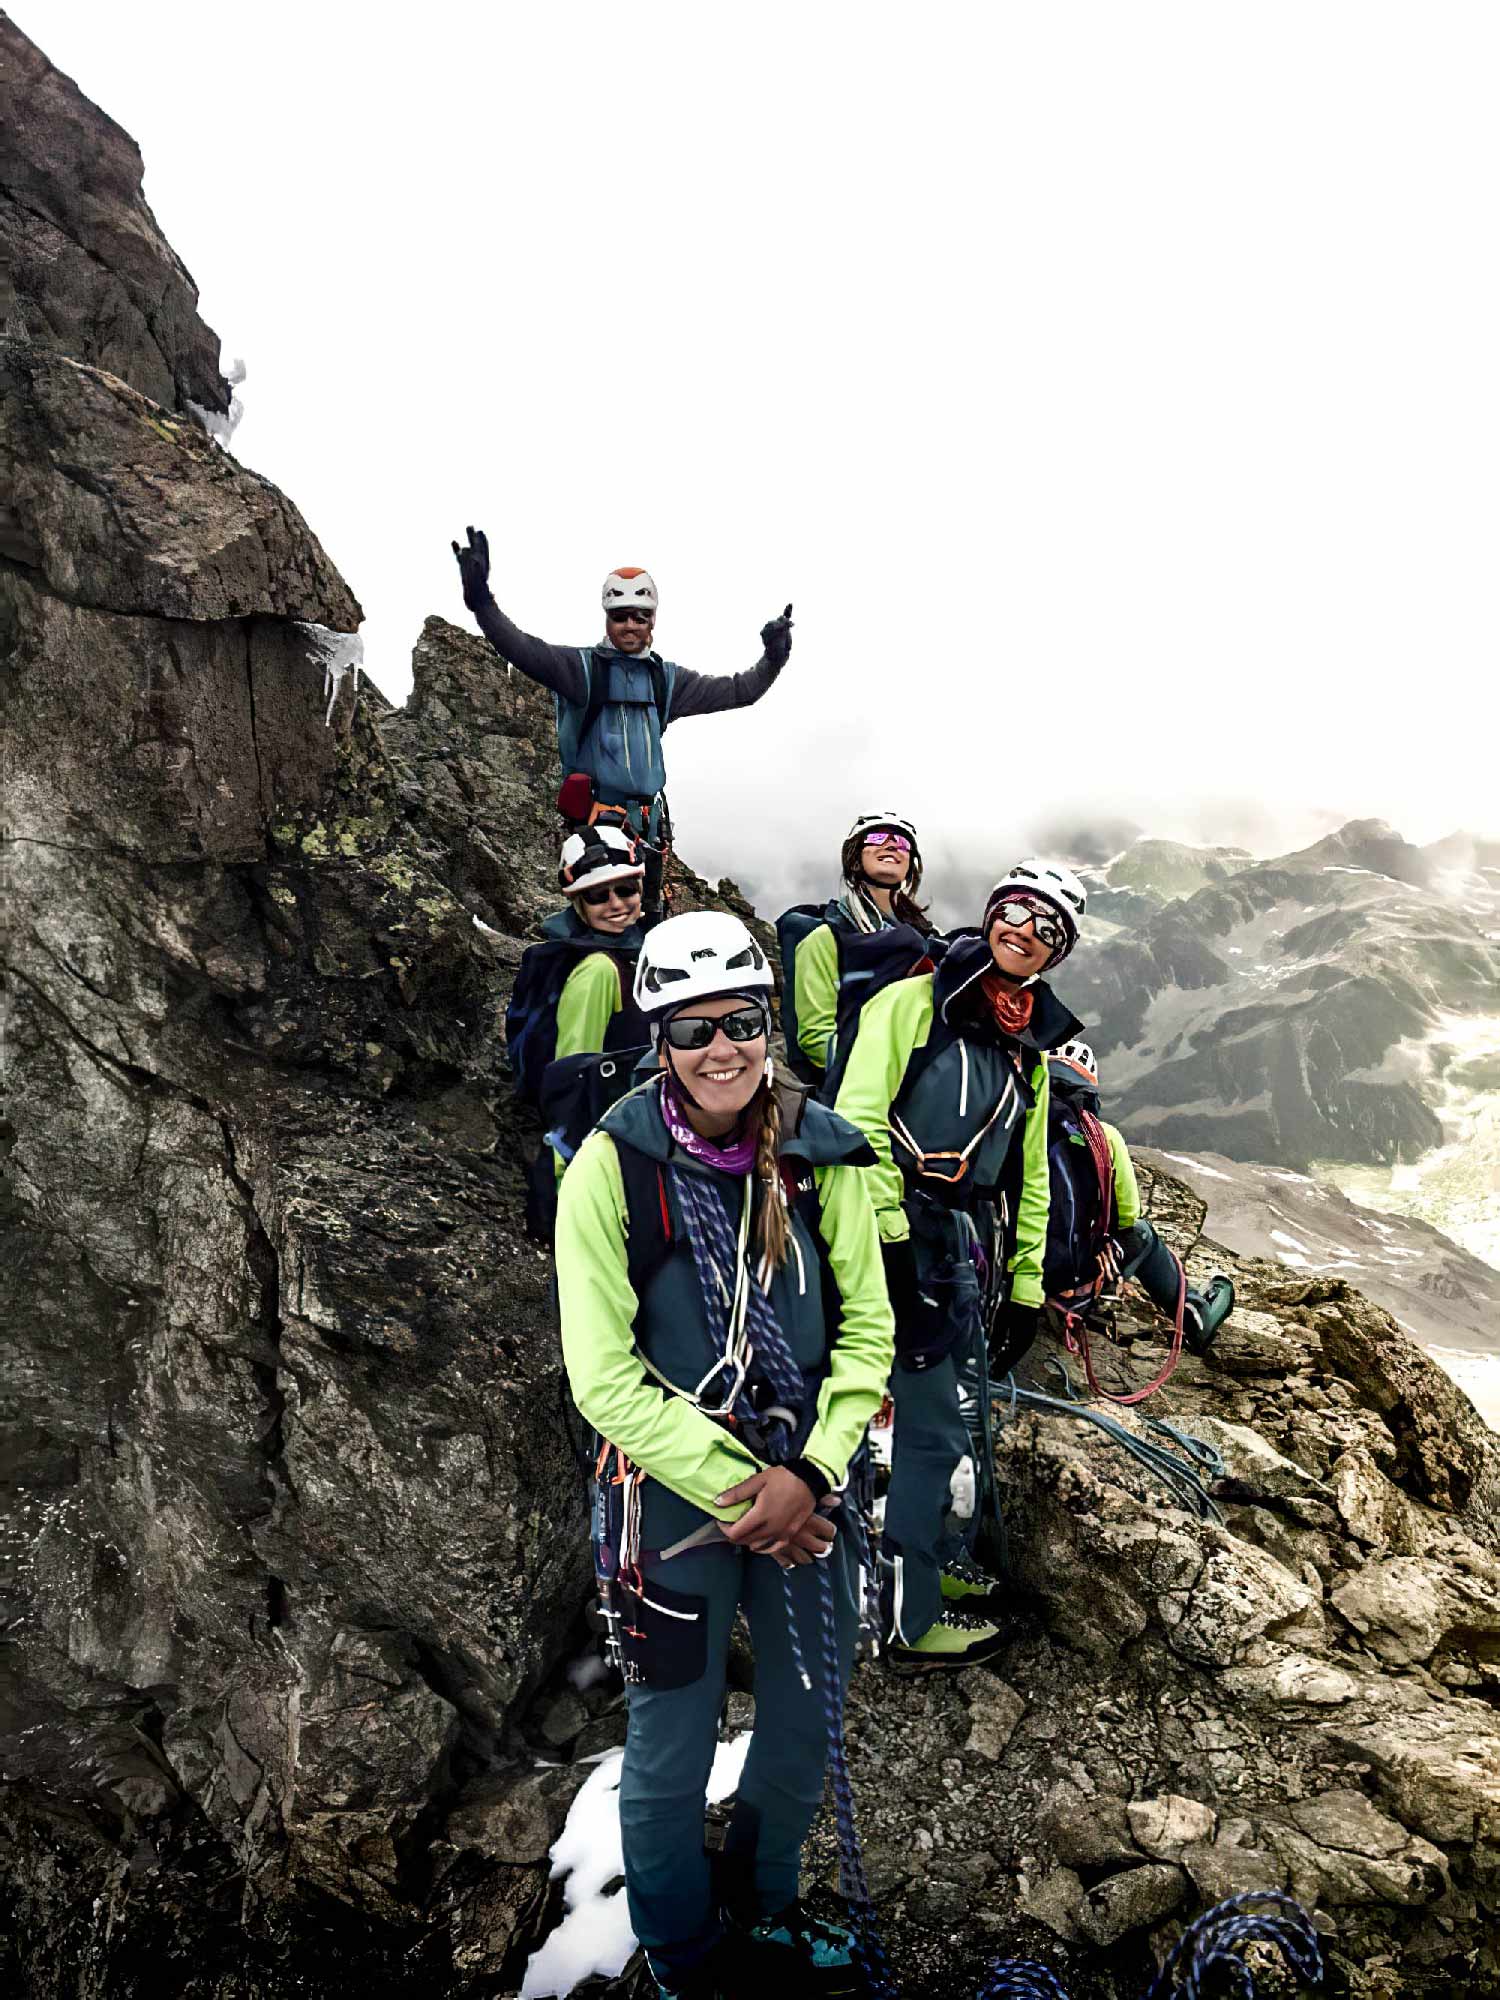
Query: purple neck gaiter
[738, 1157]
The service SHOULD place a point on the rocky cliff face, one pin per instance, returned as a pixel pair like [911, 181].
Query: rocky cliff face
[293, 1555]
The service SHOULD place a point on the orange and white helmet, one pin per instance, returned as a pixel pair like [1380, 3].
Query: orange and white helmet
[1080, 1058]
[629, 590]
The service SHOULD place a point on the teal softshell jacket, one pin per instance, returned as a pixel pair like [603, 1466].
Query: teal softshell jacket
[605, 1326]
[892, 1027]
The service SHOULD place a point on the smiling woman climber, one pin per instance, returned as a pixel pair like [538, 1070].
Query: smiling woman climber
[881, 869]
[727, 1334]
[947, 1078]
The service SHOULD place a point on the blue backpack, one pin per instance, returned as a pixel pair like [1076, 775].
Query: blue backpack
[531, 1017]
[575, 1094]
[869, 961]
[1082, 1213]
[792, 927]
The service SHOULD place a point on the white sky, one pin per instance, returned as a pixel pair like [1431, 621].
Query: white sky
[1113, 389]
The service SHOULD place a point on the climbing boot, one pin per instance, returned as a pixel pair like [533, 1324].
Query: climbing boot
[960, 1638]
[805, 1954]
[963, 1578]
[1206, 1312]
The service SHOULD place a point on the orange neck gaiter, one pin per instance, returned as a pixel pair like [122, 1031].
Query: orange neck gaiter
[1010, 1006]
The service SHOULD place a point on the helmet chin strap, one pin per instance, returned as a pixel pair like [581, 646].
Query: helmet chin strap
[677, 1083]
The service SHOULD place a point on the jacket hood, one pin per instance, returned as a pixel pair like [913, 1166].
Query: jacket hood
[810, 1131]
[966, 961]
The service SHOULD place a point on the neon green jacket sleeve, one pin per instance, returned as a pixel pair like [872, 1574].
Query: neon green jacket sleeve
[892, 1027]
[862, 1353]
[1035, 1202]
[671, 1440]
[1127, 1191]
[588, 1002]
[815, 990]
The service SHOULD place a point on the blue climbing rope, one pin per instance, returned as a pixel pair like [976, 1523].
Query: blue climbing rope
[1186, 1477]
[1022, 1979]
[1213, 1942]
[854, 1885]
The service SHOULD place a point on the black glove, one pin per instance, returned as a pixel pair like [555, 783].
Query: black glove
[1015, 1327]
[901, 1281]
[776, 639]
[474, 567]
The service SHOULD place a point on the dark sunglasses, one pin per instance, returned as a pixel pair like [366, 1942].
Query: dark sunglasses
[627, 892]
[696, 1031]
[630, 616]
[1043, 921]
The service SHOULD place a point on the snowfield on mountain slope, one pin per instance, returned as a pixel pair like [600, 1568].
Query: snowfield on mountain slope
[1447, 1299]
[1456, 1187]
[1294, 1009]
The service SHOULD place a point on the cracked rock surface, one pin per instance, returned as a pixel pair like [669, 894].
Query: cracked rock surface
[293, 1556]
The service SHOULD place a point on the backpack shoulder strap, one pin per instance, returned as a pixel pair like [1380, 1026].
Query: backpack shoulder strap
[593, 708]
[650, 1219]
[663, 680]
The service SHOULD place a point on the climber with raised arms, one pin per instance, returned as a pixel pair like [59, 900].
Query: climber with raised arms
[615, 699]
[726, 1332]
[947, 1078]
[880, 868]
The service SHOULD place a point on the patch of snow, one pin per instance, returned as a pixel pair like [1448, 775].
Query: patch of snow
[1208, 1173]
[594, 1937]
[221, 425]
[1289, 1257]
[338, 654]
[1280, 1236]
[961, 1489]
[488, 929]
[1282, 1174]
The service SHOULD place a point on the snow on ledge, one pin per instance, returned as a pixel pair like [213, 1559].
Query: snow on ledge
[221, 425]
[594, 1936]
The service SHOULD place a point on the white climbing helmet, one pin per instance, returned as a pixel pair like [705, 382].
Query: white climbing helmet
[1079, 1056]
[1053, 881]
[701, 955]
[891, 822]
[599, 855]
[629, 589]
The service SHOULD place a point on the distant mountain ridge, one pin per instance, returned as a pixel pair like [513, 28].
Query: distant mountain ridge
[1290, 1010]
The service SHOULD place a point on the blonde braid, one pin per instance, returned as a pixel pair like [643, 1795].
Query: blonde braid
[774, 1229]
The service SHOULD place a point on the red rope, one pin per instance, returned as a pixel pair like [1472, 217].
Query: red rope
[1079, 1345]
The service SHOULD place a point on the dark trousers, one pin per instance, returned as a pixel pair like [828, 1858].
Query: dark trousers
[928, 1439]
[673, 1731]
